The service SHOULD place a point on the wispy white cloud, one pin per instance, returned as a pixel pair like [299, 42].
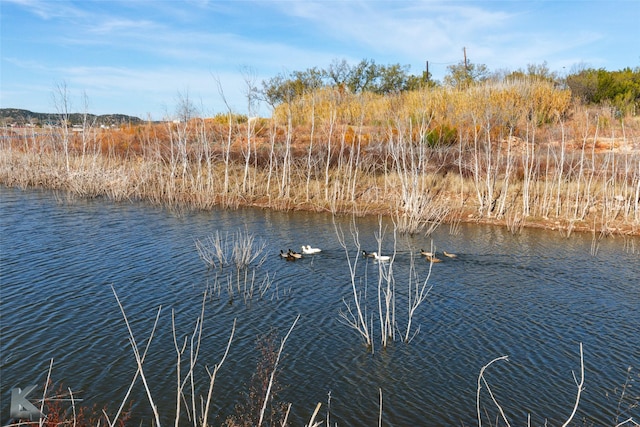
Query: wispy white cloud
[408, 28]
[26, 64]
[112, 26]
[142, 52]
[49, 10]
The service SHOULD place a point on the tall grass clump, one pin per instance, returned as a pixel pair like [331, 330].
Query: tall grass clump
[243, 251]
[240, 248]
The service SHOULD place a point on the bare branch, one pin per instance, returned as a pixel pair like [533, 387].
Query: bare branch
[580, 387]
[139, 359]
[273, 373]
[480, 380]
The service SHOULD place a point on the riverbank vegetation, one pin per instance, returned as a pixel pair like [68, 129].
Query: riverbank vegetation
[517, 149]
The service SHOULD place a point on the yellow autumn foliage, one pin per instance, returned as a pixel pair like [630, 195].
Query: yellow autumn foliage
[497, 105]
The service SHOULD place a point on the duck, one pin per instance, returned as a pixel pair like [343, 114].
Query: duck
[427, 253]
[449, 254]
[433, 259]
[296, 255]
[287, 255]
[381, 257]
[375, 256]
[309, 250]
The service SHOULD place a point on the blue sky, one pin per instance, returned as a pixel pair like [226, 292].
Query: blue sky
[139, 57]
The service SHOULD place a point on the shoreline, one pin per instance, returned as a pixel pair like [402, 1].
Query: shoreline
[24, 171]
[561, 175]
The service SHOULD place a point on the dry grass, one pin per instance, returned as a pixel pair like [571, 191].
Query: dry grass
[517, 155]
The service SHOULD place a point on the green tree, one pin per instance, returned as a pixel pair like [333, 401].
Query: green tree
[466, 74]
[392, 78]
[338, 72]
[620, 88]
[418, 82]
[362, 76]
[534, 71]
[584, 85]
[284, 88]
[365, 76]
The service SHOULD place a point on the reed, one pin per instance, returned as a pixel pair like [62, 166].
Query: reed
[247, 250]
[515, 223]
[244, 285]
[418, 291]
[376, 306]
[249, 408]
[261, 406]
[627, 400]
[240, 248]
[212, 250]
[198, 408]
[356, 318]
[493, 153]
[247, 254]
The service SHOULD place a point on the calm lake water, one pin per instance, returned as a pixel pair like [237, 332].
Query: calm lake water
[534, 297]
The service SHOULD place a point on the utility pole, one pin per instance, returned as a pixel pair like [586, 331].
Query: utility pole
[427, 71]
[464, 50]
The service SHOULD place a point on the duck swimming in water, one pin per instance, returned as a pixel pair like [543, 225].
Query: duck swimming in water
[296, 255]
[381, 257]
[287, 255]
[309, 250]
[427, 253]
[375, 256]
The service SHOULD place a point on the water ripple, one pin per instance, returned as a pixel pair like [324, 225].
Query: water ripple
[533, 297]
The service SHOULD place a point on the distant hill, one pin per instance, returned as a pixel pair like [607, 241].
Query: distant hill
[22, 117]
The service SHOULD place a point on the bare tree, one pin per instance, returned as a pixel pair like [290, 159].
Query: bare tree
[252, 96]
[62, 104]
[357, 317]
[227, 148]
[186, 111]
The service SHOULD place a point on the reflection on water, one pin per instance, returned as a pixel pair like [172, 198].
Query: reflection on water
[533, 297]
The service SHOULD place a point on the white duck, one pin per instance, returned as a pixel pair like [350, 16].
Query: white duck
[375, 256]
[309, 250]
